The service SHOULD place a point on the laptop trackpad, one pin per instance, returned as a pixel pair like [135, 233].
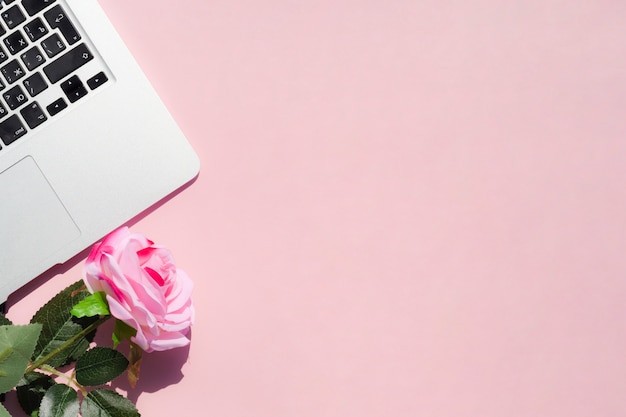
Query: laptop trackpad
[33, 222]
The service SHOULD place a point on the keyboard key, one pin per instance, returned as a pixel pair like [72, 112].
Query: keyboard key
[32, 58]
[11, 130]
[12, 71]
[35, 84]
[57, 18]
[33, 115]
[13, 17]
[56, 106]
[67, 63]
[97, 80]
[15, 97]
[33, 7]
[15, 42]
[35, 29]
[3, 111]
[3, 55]
[53, 45]
[73, 88]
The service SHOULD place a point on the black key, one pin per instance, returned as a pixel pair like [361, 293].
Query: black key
[13, 17]
[2, 30]
[3, 55]
[67, 63]
[35, 6]
[35, 84]
[12, 71]
[15, 42]
[33, 115]
[97, 80]
[56, 106]
[73, 88]
[35, 29]
[3, 111]
[15, 97]
[52, 45]
[8, 1]
[33, 58]
[57, 18]
[11, 129]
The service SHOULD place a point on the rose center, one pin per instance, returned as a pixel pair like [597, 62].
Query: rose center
[155, 276]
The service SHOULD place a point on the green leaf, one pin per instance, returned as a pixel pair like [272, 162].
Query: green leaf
[16, 347]
[107, 403]
[4, 412]
[121, 332]
[4, 320]
[93, 305]
[99, 366]
[31, 390]
[60, 401]
[59, 326]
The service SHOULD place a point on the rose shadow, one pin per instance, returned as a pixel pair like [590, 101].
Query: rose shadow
[158, 369]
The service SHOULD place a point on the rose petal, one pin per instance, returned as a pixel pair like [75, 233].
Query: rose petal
[169, 341]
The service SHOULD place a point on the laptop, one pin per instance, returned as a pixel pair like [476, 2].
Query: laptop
[85, 142]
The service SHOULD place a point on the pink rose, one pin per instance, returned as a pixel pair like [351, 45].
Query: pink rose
[143, 287]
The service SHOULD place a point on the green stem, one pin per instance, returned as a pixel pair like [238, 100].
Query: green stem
[93, 326]
[70, 379]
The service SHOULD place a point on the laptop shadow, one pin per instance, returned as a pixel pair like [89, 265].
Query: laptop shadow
[61, 269]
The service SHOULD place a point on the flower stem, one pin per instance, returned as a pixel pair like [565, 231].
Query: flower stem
[71, 379]
[93, 326]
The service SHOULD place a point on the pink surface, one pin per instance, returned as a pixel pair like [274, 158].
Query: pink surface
[405, 208]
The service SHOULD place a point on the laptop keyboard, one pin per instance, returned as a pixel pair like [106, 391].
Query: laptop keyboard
[46, 66]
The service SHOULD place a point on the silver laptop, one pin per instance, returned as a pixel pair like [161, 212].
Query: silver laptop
[85, 143]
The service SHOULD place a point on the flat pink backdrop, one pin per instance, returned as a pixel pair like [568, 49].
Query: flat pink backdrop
[405, 208]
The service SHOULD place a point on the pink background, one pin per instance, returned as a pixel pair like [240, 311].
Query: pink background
[405, 208]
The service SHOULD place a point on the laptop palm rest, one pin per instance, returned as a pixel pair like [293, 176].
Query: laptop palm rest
[32, 220]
